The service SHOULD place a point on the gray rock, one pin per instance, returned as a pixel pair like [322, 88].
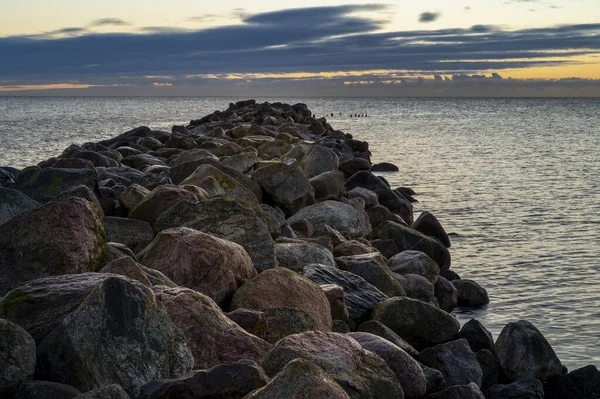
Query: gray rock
[141, 161]
[445, 293]
[112, 391]
[381, 330]
[384, 167]
[455, 360]
[253, 321]
[522, 389]
[351, 248]
[470, 391]
[343, 217]
[428, 224]
[273, 218]
[44, 184]
[296, 256]
[361, 297]
[370, 197]
[127, 267]
[434, 379]
[158, 201]
[417, 287]
[351, 166]
[360, 373]
[329, 185]
[582, 383]
[192, 155]
[414, 262]
[17, 355]
[337, 301]
[319, 160]
[43, 390]
[136, 234]
[490, 366]
[523, 352]
[373, 269]
[469, 293]
[282, 322]
[477, 336]
[13, 202]
[422, 325]
[98, 159]
[228, 220]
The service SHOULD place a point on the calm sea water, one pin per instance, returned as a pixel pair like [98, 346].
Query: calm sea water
[517, 179]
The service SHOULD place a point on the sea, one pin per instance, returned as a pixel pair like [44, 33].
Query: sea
[516, 180]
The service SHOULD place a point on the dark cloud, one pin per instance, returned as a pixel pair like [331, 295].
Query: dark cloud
[109, 22]
[429, 16]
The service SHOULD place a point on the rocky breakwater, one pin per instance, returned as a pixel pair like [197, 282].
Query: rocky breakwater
[250, 254]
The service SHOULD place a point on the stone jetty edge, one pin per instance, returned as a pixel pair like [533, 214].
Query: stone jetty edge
[253, 253]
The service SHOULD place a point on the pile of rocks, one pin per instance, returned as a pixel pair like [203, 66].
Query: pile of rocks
[252, 253]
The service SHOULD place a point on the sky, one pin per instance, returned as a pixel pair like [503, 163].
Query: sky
[302, 48]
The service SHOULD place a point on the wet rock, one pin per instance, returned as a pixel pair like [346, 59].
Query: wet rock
[112, 391]
[360, 373]
[337, 301]
[296, 256]
[384, 167]
[523, 352]
[490, 367]
[414, 262]
[343, 217]
[281, 287]
[17, 355]
[407, 369]
[285, 186]
[43, 390]
[428, 224]
[422, 325]
[409, 239]
[228, 220]
[200, 261]
[578, 384]
[328, 185]
[470, 391]
[477, 336]
[127, 267]
[213, 338]
[253, 321]
[455, 360]
[449, 275]
[469, 293]
[223, 381]
[527, 388]
[158, 201]
[114, 326]
[136, 234]
[44, 184]
[13, 202]
[57, 238]
[445, 293]
[361, 297]
[373, 269]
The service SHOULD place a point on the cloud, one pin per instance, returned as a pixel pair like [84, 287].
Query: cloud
[109, 22]
[429, 16]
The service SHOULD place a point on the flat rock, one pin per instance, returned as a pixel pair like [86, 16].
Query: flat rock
[455, 360]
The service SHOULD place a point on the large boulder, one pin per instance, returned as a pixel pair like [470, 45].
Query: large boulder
[13, 202]
[406, 238]
[373, 269]
[477, 336]
[17, 355]
[159, 200]
[43, 390]
[422, 325]
[200, 261]
[582, 383]
[329, 185]
[228, 220]
[524, 352]
[407, 370]
[214, 339]
[344, 218]
[44, 184]
[529, 388]
[295, 256]
[281, 287]
[445, 293]
[223, 381]
[360, 296]
[319, 160]
[490, 367]
[281, 322]
[285, 186]
[119, 325]
[428, 224]
[360, 373]
[455, 360]
[300, 378]
[128, 267]
[57, 238]
[381, 330]
[470, 293]
[470, 391]
[414, 262]
[136, 234]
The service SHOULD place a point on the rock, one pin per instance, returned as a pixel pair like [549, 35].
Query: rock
[414, 262]
[223, 381]
[422, 325]
[351, 248]
[300, 378]
[273, 218]
[342, 217]
[523, 352]
[360, 373]
[329, 185]
[417, 287]
[253, 321]
[371, 199]
[337, 301]
[527, 388]
[386, 247]
[128, 267]
[13, 202]
[296, 256]
[352, 166]
[428, 224]
[141, 161]
[381, 330]
[470, 391]
[80, 192]
[241, 162]
[445, 293]
[97, 159]
[136, 234]
[200, 261]
[409, 239]
[469, 293]
[273, 149]
[44, 184]
[228, 220]
[120, 326]
[285, 186]
[449, 275]
[282, 322]
[379, 214]
[384, 167]
[455, 360]
[406, 368]
[434, 380]
[132, 196]
[281, 287]
[192, 155]
[340, 326]
[373, 269]
[17, 355]
[43, 390]
[214, 338]
[113, 391]
[303, 228]
[158, 201]
[578, 384]
[477, 336]
[319, 160]
[72, 163]
[490, 367]
[361, 297]
[57, 238]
